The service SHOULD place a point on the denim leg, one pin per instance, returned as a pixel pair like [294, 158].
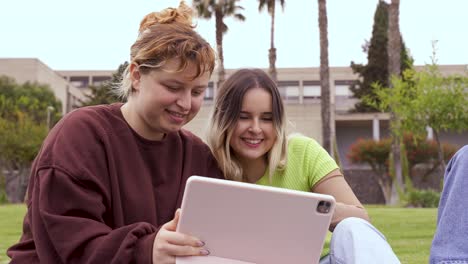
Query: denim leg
[355, 240]
[450, 244]
[325, 260]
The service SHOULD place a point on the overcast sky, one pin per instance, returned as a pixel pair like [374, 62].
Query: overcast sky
[97, 34]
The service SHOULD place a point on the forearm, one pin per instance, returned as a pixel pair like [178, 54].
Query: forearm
[343, 211]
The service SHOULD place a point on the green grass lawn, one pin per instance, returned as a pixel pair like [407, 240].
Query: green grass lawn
[11, 220]
[408, 230]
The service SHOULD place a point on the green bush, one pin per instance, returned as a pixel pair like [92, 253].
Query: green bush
[423, 198]
[3, 197]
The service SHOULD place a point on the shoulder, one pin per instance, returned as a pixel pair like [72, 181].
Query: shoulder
[462, 153]
[97, 119]
[80, 131]
[91, 114]
[188, 135]
[298, 142]
[194, 141]
[460, 158]
[306, 148]
[199, 155]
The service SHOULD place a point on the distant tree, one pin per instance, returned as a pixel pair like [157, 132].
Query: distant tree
[426, 99]
[220, 9]
[376, 69]
[271, 7]
[20, 143]
[104, 93]
[325, 78]
[32, 99]
[23, 119]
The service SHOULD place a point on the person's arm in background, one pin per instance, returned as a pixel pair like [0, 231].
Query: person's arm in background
[347, 204]
[450, 239]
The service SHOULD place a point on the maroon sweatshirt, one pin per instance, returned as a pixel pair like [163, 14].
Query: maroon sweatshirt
[99, 192]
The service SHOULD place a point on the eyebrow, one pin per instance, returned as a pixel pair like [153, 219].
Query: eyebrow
[177, 82]
[263, 113]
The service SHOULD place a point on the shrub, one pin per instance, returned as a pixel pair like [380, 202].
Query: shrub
[374, 153]
[423, 198]
[421, 151]
[418, 151]
[3, 197]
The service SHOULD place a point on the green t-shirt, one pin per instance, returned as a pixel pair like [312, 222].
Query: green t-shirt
[307, 163]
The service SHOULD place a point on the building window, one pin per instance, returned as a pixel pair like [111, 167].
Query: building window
[311, 89]
[79, 81]
[289, 90]
[98, 80]
[342, 88]
[209, 93]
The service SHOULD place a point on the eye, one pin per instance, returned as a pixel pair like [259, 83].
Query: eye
[170, 87]
[197, 93]
[268, 118]
[243, 116]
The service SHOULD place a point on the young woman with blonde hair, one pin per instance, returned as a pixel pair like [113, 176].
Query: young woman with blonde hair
[108, 180]
[247, 136]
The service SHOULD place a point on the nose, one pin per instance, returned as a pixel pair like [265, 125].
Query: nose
[255, 126]
[184, 100]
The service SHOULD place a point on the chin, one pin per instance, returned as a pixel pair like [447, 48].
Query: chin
[252, 157]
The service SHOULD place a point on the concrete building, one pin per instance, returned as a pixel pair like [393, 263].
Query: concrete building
[34, 70]
[300, 88]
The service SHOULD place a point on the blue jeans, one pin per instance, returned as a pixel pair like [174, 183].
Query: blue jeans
[355, 240]
[450, 244]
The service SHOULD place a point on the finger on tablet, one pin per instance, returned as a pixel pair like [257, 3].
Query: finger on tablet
[172, 225]
[177, 250]
[181, 239]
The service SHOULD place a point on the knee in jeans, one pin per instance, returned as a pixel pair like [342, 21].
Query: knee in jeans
[353, 226]
[351, 223]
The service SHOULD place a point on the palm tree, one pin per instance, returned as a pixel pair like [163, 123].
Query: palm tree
[270, 4]
[325, 78]
[219, 9]
[394, 69]
[394, 39]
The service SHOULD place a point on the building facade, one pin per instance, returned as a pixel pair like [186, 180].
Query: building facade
[299, 87]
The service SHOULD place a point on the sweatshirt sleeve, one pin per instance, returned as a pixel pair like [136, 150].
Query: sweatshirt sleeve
[69, 219]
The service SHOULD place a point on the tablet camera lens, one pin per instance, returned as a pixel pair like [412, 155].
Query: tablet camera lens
[323, 207]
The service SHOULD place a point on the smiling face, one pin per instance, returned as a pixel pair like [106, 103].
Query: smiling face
[254, 133]
[164, 100]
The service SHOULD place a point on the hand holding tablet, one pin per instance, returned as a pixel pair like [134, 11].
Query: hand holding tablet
[247, 223]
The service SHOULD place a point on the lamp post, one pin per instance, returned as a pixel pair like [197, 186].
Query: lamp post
[50, 109]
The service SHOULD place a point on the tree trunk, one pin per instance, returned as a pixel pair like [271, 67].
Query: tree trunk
[394, 63]
[398, 177]
[440, 152]
[324, 78]
[272, 51]
[385, 182]
[219, 45]
[394, 39]
[16, 184]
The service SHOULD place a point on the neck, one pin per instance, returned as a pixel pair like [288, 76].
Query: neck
[137, 123]
[253, 170]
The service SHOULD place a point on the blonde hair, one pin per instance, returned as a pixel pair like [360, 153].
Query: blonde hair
[167, 35]
[227, 108]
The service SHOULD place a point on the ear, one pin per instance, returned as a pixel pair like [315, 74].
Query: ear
[135, 76]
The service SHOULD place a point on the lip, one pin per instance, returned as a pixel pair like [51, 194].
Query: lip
[176, 117]
[252, 142]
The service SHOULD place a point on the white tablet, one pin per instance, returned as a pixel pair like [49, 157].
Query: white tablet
[248, 223]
